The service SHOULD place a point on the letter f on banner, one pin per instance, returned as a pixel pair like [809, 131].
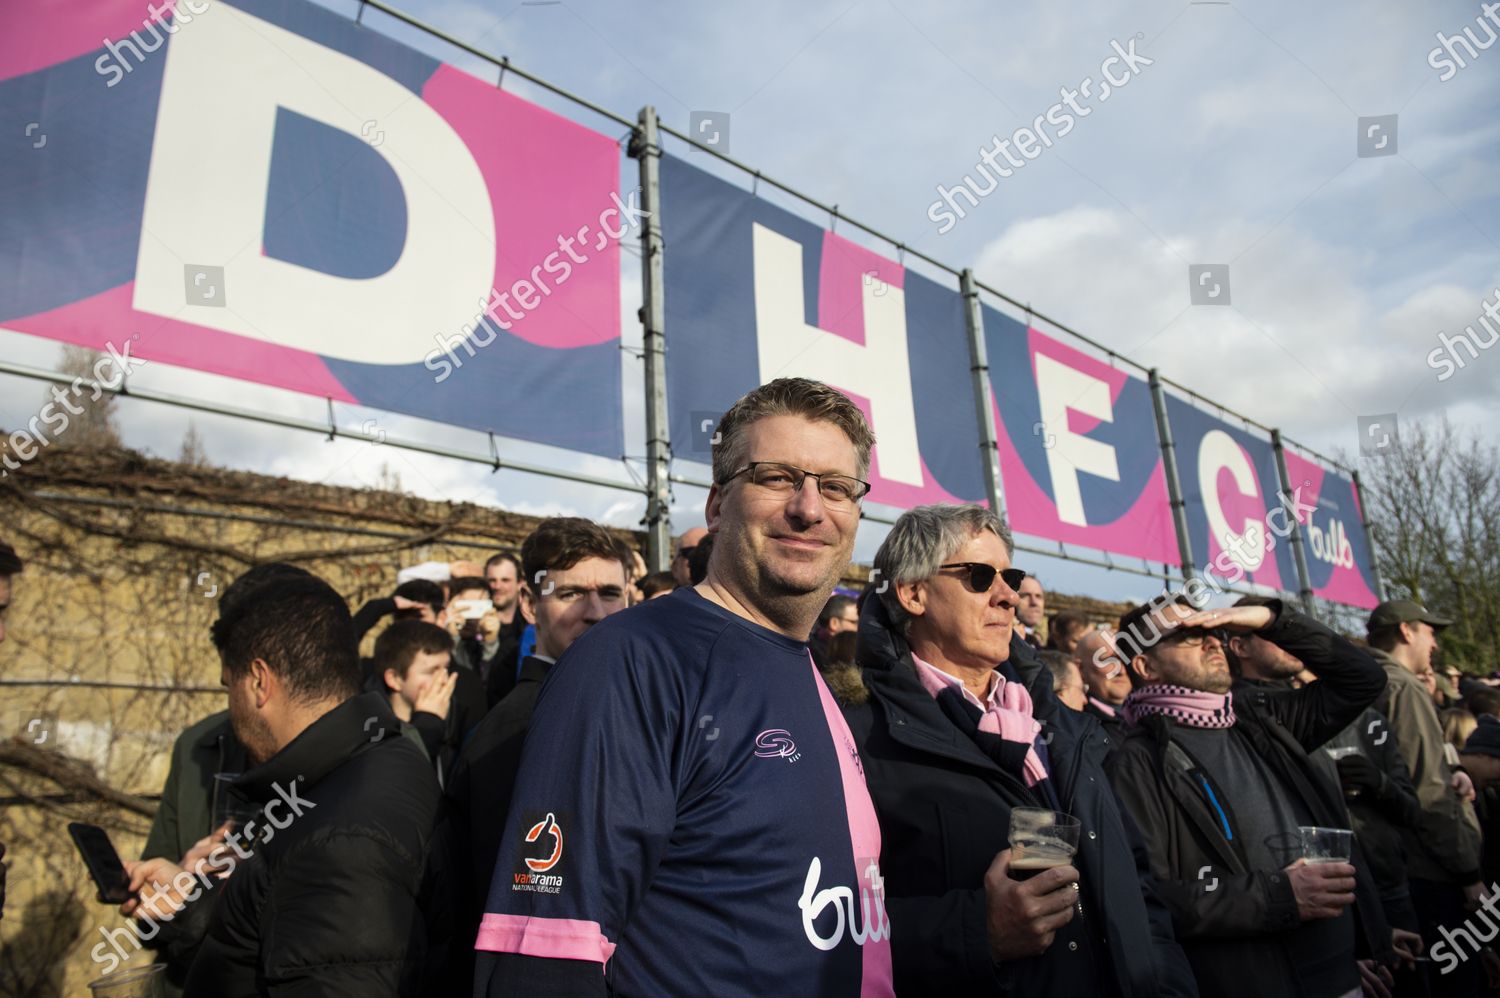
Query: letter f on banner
[878, 370]
[1060, 388]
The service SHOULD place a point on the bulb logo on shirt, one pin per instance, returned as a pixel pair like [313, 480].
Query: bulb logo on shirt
[776, 743]
[864, 920]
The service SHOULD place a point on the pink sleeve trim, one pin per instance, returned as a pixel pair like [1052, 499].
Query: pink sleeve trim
[555, 938]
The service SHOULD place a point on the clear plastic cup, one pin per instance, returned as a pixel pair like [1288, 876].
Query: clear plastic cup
[138, 982]
[1326, 845]
[1040, 840]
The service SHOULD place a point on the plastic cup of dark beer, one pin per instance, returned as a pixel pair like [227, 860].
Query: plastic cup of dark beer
[1041, 840]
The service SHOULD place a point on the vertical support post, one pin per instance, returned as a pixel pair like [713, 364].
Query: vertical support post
[1299, 555]
[645, 146]
[984, 405]
[1174, 483]
[1364, 520]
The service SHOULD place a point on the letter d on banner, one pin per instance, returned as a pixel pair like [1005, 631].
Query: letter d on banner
[206, 196]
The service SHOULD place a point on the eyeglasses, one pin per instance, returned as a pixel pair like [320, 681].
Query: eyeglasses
[982, 576]
[572, 594]
[1193, 637]
[785, 480]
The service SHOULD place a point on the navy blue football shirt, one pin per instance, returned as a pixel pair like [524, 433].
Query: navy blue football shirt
[691, 817]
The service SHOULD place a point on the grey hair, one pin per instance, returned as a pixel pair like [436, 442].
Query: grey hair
[923, 538]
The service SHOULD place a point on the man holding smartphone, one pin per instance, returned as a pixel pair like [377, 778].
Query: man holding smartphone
[325, 899]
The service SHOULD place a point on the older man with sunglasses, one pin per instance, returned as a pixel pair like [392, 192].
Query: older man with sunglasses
[1220, 787]
[957, 725]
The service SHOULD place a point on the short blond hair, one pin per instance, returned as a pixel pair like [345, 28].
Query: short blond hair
[803, 397]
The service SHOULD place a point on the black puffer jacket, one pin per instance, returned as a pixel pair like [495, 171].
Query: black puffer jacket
[328, 904]
[944, 809]
[1237, 924]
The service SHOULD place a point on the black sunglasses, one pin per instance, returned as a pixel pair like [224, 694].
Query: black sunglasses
[982, 576]
[1194, 637]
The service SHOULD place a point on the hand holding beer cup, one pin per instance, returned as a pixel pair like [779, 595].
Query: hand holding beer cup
[1031, 889]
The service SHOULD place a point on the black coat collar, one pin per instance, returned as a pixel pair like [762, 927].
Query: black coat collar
[534, 669]
[325, 745]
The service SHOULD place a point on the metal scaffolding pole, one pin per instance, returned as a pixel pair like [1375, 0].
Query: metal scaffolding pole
[1174, 483]
[645, 146]
[1304, 580]
[1364, 519]
[984, 404]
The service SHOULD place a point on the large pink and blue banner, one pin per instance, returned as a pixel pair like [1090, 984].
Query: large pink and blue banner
[1079, 456]
[1240, 517]
[755, 293]
[266, 190]
[1334, 540]
[1232, 490]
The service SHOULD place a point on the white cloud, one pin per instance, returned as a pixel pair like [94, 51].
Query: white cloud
[1301, 347]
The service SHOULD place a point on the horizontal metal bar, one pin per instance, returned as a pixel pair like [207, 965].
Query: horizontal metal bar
[500, 62]
[38, 799]
[831, 210]
[1268, 430]
[100, 684]
[272, 521]
[325, 429]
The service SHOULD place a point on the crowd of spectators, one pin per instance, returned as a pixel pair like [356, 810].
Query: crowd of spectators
[559, 773]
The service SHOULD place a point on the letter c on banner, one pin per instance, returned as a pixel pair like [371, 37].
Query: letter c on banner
[1218, 452]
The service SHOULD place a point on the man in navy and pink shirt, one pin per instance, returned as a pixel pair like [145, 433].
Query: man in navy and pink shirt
[691, 814]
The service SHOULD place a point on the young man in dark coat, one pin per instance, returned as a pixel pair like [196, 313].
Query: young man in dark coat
[1105, 678]
[956, 725]
[580, 581]
[1219, 786]
[323, 892]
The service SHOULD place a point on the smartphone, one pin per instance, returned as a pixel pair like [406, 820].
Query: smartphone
[103, 862]
[472, 609]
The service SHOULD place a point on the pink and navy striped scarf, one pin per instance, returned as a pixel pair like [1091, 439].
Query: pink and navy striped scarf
[1193, 708]
[1006, 712]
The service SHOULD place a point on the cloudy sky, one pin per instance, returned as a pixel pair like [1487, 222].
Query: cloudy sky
[1237, 145]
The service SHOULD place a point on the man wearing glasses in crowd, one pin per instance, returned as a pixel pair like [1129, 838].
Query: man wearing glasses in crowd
[575, 577]
[957, 726]
[690, 816]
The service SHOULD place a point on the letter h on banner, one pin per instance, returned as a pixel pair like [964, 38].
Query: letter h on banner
[877, 369]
